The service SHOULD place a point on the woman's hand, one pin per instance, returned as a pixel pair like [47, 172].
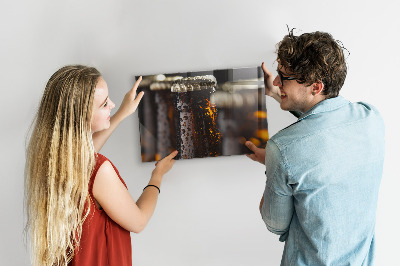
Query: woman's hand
[128, 107]
[131, 101]
[164, 165]
[270, 89]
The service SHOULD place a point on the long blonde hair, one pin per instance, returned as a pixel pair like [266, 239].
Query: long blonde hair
[59, 161]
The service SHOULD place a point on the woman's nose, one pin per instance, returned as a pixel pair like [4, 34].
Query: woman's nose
[112, 105]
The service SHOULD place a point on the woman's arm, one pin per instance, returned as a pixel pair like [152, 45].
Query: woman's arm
[128, 107]
[116, 201]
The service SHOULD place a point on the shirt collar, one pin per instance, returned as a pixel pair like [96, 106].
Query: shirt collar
[325, 106]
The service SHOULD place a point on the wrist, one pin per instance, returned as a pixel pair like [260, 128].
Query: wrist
[277, 97]
[150, 185]
[156, 177]
[118, 116]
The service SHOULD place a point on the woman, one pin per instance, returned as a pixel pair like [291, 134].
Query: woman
[78, 207]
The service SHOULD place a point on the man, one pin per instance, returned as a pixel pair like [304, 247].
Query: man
[323, 171]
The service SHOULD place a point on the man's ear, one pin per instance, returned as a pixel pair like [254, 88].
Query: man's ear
[317, 88]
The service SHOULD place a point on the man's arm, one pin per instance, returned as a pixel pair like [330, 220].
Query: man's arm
[276, 206]
[270, 89]
[274, 91]
[258, 155]
[128, 106]
[276, 211]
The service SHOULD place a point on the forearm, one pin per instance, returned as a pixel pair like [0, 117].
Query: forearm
[148, 200]
[276, 96]
[276, 211]
[128, 107]
[101, 137]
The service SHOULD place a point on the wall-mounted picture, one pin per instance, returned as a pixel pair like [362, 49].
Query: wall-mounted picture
[202, 114]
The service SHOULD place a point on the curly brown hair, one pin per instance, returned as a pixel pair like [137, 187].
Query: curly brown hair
[314, 57]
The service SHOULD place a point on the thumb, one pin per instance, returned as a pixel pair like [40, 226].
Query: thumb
[172, 155]
[251, 146]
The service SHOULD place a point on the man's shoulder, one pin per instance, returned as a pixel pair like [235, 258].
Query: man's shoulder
[367, 107]
[368, 113]
[288, 135]
[316, 123]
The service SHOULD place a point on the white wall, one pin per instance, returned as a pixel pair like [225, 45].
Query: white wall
[208, 208]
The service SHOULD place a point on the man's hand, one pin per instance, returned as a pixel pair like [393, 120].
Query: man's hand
[259, 154]
[270, 89]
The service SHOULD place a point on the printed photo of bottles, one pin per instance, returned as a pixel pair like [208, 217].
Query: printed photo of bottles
[202, 114]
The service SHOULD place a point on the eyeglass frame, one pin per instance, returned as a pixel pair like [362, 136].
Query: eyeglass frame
[282, 78]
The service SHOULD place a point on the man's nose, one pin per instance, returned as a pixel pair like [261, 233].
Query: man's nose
[277, 81]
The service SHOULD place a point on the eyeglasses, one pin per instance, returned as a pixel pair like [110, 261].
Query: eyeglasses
[282, 78]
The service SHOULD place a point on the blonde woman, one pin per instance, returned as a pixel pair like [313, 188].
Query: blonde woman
[79, 211]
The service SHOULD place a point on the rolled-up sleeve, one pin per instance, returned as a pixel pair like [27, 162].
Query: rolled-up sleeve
[277, 208]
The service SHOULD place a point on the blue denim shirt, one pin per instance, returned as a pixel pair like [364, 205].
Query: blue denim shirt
[323, 175]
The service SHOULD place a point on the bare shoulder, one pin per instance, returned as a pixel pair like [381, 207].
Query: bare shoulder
[106, 169]
[114, 198]
[106, 179]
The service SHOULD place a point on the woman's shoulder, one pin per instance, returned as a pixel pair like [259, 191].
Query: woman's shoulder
[100, 158]
[105, 167]
[99, 161]
[102, 164]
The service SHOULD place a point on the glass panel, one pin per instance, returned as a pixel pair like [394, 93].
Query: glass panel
[202, 114]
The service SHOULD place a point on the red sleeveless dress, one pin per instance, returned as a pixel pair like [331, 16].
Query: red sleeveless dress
[103, 241]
